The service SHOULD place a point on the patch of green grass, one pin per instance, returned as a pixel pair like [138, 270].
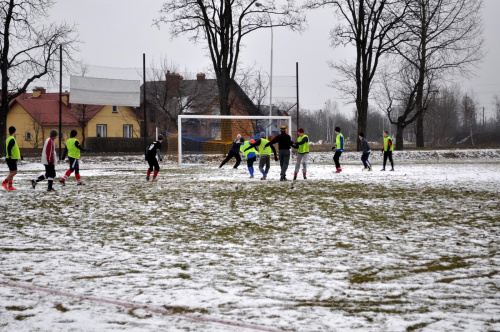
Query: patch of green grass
[61, 308]
[184, 310]
[16, 308]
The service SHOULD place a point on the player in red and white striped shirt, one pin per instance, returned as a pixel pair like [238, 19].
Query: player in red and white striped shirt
[49, 160]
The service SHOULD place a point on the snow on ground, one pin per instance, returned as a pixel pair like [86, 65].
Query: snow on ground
[410, 250]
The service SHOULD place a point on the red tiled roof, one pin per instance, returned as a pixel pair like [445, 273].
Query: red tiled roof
[45, 109]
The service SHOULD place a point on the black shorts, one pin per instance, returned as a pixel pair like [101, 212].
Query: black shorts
[153, 164]
[73, 164]
[12, 164]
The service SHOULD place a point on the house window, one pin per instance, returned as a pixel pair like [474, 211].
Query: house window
[127, 130]
[28, 136]
[101, 130]
[115, 109]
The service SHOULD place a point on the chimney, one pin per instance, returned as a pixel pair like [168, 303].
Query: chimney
[37, 91]
[173, 82]
[65, 98]
[200, 77]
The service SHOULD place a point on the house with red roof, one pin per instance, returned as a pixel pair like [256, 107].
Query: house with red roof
[35, 114]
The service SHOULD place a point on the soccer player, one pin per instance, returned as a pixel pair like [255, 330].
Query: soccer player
[49, 160]
[151, 157]
[265, 154]
[72, 150]
[366, 152]
[302, 146]
[388, 148]
[339, 148]
[234, 152]
[250, 155]
[12, 156]
[284, 144]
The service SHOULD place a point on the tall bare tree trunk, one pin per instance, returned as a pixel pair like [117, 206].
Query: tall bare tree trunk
[420, 131]
[399, 134]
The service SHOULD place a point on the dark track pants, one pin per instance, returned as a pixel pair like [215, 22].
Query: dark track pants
[364, 159]
[336, 158]
[388, 154]
[284, 161]
[230, 155]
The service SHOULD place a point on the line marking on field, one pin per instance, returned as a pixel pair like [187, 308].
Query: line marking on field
[131, 305]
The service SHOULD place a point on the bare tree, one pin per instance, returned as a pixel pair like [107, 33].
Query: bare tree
[442, 117]
[367, 25]
[223, 25]
[256, 87]
[469, 109]
[399, 97]
[496, 105]
[28, 48]
[38, 137]
[440, 37]
[170, 94]
[83, 113]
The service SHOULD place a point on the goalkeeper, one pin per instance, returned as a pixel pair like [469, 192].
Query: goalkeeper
[234, 152]
[250, 154]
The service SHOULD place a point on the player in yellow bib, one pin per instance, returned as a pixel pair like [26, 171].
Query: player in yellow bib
[265, 154]
[13, 154]
[388, 148]
[72, 150]
[302, 146]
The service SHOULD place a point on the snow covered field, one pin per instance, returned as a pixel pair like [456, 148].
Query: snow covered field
[206, 249]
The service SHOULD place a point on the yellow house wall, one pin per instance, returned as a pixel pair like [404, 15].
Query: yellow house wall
[114, 121]
[20, 119]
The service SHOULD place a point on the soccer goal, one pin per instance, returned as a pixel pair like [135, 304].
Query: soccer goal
[204, 138]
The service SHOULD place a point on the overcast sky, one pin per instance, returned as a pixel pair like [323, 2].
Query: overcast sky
[117, 32]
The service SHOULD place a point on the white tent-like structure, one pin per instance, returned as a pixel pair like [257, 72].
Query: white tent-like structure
[105, 91]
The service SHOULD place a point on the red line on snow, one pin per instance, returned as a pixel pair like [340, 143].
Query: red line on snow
[131, 305]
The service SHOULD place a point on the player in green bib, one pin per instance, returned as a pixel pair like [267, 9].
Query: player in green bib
[265, 154]
[250, 154]
[388, 148]
[302, 146]
[72, 150]
[13, 154]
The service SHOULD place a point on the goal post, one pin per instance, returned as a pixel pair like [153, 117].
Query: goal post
[213, 134]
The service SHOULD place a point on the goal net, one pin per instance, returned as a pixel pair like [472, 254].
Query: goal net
[207, 138]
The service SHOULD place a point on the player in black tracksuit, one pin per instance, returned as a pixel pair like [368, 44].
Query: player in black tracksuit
[151, 157]
[284, 144]
[234, 152]
[366, 152]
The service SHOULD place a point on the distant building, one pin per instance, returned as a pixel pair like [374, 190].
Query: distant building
[35, 114]
[176, 95]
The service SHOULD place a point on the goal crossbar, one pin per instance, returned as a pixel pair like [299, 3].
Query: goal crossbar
[230, 117]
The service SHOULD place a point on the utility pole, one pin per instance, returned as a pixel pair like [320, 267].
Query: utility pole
[60, 102]
[297, 85]
[144, 100]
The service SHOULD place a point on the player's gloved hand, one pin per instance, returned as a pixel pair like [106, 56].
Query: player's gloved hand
[333, 148]
[22, 158]
[161, 159]
[275, 158]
